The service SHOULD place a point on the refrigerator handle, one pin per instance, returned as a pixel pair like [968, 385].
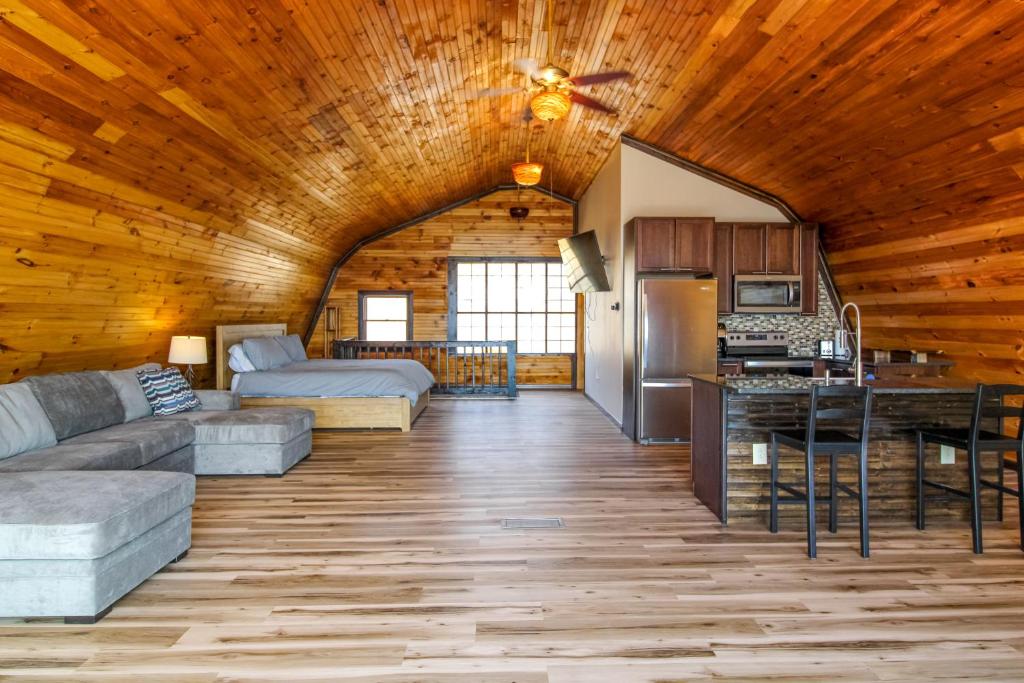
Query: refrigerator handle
[643, 332]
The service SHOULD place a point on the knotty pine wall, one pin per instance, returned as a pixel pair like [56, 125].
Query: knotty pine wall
[943, 281]
[98, 270]
[417, 259]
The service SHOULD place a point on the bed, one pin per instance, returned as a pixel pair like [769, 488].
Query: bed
[343, 394]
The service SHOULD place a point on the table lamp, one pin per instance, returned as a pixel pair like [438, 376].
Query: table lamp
[188, 351]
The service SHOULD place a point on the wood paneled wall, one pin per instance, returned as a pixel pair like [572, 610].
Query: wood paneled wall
[899, 127]
[416, 259]
[941, 282]
[166, 166]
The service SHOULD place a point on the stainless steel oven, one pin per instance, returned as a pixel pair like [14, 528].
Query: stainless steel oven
[766, 294]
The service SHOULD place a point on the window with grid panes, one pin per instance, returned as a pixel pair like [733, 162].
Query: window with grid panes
[525, 301]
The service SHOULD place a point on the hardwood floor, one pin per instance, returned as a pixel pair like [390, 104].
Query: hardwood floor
[381, 558]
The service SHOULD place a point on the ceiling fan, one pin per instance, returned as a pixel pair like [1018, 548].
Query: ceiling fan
[552, 88]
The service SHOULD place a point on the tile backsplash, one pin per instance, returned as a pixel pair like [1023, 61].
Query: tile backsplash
[804, 330]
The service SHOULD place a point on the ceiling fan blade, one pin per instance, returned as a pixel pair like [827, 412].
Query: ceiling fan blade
[591, 103]
[494, 92]
[594, 79]
[526, 65]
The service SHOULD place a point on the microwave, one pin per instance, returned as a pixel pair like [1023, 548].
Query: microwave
[766, 294]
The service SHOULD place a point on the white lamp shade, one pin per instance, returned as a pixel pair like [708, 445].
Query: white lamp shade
[187, 351]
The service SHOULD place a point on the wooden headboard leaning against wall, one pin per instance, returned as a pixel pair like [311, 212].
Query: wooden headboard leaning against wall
[229, 335]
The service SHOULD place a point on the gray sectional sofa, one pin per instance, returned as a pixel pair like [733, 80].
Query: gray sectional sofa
[96, 492]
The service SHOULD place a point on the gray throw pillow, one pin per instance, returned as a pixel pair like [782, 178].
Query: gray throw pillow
[23, 423]
[265, 353]
[77, 402]
[129, 391]
[292, 345]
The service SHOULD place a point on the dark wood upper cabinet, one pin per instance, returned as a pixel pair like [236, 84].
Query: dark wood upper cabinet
[655, 244]
[748, 248]
[722, 266]
[674, 244]
[694, 237]
[809, 268]
[782, 249]
[767, 249]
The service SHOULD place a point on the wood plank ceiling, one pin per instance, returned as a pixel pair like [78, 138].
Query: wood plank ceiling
[168, 166]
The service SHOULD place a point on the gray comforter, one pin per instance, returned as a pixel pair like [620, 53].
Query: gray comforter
[316, 378]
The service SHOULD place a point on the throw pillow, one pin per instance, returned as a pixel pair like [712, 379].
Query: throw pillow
[23, 422]
[77, 402]
[265, 353]
[292, 345]
[167, 391]
[133, 398]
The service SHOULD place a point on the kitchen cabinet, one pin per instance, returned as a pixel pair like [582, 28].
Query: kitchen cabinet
[782, 248]
[809, 268]
[674, 244]
[655, 243]
[748, 248]
[766, 249]
[722, 268]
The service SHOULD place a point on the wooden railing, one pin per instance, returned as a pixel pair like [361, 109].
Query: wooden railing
[459, 367]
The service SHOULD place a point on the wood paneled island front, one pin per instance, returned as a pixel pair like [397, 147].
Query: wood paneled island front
[732, 415]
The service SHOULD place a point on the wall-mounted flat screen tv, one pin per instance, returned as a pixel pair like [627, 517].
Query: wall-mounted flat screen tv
[584, 265]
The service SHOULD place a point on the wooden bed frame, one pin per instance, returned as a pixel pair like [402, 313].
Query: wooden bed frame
[353, 412]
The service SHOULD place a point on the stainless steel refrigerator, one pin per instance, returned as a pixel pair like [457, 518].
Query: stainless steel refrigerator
[677, 323]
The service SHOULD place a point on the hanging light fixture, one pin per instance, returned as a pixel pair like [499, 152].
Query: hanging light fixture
[527, 172]
[550, 105]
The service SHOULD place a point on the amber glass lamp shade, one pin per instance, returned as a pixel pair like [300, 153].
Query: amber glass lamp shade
[550, 105]
[527, 172]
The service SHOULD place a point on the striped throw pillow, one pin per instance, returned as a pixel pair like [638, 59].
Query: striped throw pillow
[167, 391]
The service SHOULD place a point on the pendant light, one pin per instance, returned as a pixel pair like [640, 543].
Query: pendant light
[551, 104]
[527, 172]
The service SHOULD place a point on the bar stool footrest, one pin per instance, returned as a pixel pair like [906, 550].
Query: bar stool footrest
[944, 487]
[999, 487]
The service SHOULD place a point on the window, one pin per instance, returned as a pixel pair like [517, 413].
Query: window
[385, 316]
[527, 300]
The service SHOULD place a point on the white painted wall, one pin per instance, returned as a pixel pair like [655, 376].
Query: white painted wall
[600, 211]
[633, 183]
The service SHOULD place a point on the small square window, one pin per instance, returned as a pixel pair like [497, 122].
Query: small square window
[385, 316]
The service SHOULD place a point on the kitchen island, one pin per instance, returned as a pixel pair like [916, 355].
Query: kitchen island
[732, 417]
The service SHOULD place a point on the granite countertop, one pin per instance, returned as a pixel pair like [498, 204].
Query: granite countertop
[802, 385]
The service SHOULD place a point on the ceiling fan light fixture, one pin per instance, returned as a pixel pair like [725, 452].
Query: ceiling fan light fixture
[527, 172]
[550, 105]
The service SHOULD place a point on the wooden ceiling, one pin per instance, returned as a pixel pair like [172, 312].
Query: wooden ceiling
[167, 166]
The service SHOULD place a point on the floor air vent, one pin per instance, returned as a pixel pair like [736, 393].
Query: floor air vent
[532, 523]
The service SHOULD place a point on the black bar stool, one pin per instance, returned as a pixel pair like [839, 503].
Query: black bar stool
[846, 413]
[989, 405]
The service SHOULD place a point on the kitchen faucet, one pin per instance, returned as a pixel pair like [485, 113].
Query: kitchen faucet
[858, 361]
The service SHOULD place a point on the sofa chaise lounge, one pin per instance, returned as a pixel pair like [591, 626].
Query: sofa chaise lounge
[96, 492]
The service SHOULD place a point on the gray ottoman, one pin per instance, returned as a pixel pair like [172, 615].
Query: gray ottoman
[73, 543]
[267, 441]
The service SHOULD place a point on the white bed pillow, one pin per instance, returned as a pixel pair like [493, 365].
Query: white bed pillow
[238, 361]
[292, 345]
[265, 353]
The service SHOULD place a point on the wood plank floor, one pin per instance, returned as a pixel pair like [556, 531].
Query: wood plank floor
[381, 558]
